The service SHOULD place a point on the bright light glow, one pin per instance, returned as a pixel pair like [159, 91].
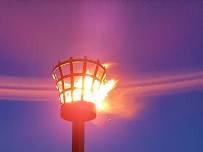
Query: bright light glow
[106, 65]
[83, 80]
[93, 92]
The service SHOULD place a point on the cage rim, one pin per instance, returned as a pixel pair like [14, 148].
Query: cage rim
[72, 60]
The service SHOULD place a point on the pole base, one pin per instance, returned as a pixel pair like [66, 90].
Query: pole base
[78, 111]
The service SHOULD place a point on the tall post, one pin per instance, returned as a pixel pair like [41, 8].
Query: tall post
[78, 136]
[78, 102]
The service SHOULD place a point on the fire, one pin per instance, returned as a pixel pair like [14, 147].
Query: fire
[93, 92]
[106, 65]
[83, 80]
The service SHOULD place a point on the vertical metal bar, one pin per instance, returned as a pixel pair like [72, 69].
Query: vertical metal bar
[71, 77]
[101, 80]
[95, 75]
[83, 77]
[78, 131]
[103, 74]
[62, 80]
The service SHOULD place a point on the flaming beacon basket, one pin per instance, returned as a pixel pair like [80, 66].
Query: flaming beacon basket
[78, 82]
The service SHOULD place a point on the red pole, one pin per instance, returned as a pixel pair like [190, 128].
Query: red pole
[78, 136]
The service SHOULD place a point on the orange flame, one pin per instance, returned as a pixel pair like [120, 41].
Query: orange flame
[96, 93]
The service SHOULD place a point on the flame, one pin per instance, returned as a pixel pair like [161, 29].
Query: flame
[106, 65]
[93, 92]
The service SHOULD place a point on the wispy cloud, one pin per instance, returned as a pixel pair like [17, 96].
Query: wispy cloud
[165, 83]
[26, 89]
[34, 89]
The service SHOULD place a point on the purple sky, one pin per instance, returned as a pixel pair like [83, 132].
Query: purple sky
[142, 38]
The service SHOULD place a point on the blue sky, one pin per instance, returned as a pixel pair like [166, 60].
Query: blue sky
[144, 40]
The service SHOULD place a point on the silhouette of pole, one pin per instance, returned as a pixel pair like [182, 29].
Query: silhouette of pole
[78, 139]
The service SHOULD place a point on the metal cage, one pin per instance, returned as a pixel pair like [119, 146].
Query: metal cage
[77, 79]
